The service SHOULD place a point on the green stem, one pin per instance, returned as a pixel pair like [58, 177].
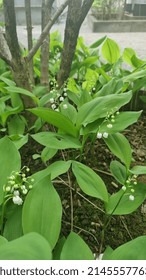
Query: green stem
[107, 221]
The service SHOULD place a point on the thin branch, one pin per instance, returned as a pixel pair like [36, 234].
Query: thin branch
[46, 31]
[84, 9]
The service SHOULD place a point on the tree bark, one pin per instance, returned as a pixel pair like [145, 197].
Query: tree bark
[46, 16]
[19, 65]
[46, 30]
[29, 36]
[77, 12]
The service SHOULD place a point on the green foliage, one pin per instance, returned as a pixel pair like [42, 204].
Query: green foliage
[120, 147]
[31, 246]
[111, 51]
[89, 182]
[9, 161]
[44, 206]
[70, 121]
[132, 250]
[75, 248]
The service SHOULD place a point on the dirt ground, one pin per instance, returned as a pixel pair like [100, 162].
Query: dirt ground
[87, 218]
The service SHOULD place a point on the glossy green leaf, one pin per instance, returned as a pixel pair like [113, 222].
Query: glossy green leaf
[119, 203]
[58, 248]
[70, 112]
[9, 161]
[16, 125]
[42, 211]
[122, 121]
[31, 246]
[89, 182]
[120, 147]
[98, 43]
[54, 170]
[134, 76]
[7, 81]
[3, 240]
[107, 253]
[114, 86]
[55, 140]
[89, 61]
[22, 91]
[100, 106]
[19, 140]
[132, 250]
[47, 154]
[56, 119]
[75, 249]
[138, 170]
[127, 55]
[137, 62]
[119, 171]
[8, 112]
[13, 226]
[110, 51]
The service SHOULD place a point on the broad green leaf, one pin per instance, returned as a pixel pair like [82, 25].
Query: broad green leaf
[119, 203]
[70, 112]
[91, 76]
[89, 61]
[122, 121]
[120, 147]
[107, 253]
[42, 211]
[13, 226]
[31, 246]
[16, 125]
[119, 171]
[72, 86]
[100, 106]
[7, 81]
[127, 55]
[58, 248]
[138, 85]
[110, 51]
[132, 250]
[114, 86]
[9, 161]
[137, 62]
[47, 154]
[3, 240]
[97, 43]
[55, 169]
[19, 140]
[55, 140]
[56, 119]
[75, 249]
[138, 170]
[89, 182]
[8, 112]
[22, 91]
[134, 76]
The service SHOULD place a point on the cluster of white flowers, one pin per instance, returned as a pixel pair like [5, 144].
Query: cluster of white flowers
[129, 187]
[58, 99]
[110, 120]
[18, 185]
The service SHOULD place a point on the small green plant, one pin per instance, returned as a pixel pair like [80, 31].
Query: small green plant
[86, 111]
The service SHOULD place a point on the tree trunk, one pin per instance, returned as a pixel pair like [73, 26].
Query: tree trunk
[75, 17]
[18, 64]
[29, 36]
[46, 16]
